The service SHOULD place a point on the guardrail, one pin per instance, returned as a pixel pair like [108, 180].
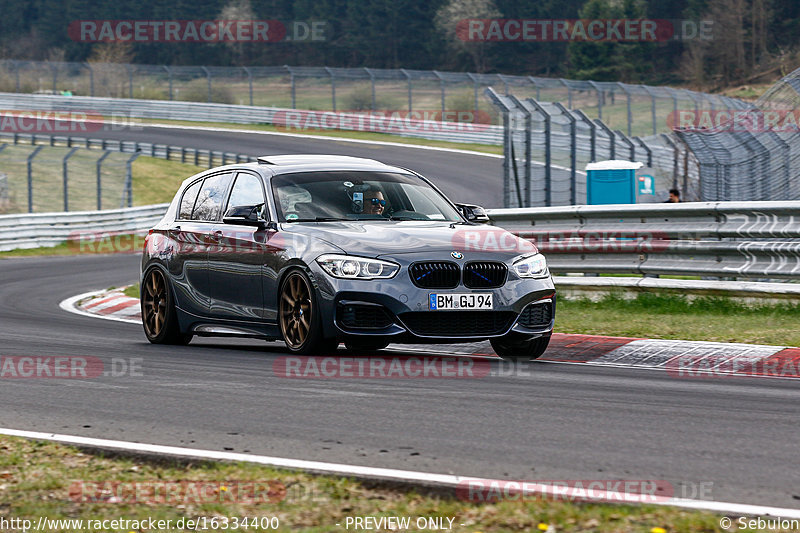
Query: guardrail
[195, 156]
[717, 239]
[50, 229]
[292, 120]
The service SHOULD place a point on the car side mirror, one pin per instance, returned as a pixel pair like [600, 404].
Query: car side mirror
[473, 213]
[245, 215]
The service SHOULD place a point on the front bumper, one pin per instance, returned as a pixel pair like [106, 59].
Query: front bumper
[408, 318]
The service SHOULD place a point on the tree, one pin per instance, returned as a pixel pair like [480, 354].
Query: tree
[447, 22]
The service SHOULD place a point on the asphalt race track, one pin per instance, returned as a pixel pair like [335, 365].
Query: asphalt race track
[550, 422]
[463, 177]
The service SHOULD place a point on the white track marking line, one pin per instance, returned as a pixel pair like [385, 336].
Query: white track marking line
[426, 478]
[70, 305]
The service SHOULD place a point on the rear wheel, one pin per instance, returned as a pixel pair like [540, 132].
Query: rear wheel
[299, 316]
[158, 311]
[512, 349]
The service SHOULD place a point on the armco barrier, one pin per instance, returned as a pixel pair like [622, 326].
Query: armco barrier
[50, 229]
[125, 109]
[748, 240]
[720, 239]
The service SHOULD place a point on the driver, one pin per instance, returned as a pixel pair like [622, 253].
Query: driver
[374, 202]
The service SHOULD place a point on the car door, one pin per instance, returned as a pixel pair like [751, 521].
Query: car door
[192, 235]
[238, 255]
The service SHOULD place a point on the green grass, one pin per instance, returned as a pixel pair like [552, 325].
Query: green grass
[132, 291]
[46, 479]
[676, 317]
[155, 181]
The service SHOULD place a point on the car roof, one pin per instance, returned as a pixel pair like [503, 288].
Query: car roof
[287, 164]
[283, 164]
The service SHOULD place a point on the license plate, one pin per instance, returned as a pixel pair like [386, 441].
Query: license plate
[468, 300]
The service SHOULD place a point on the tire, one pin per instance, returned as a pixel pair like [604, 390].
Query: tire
[365, 345]
[159, 318]
[520, 350]
[299, 316]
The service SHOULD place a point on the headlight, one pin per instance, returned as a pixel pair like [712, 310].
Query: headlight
[350, 267]
[533, 266]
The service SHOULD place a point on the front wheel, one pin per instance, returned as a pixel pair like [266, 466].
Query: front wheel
[299, 316]
[512, 349]
[159, 318]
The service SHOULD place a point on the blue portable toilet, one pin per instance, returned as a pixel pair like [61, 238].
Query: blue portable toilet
[612, 182]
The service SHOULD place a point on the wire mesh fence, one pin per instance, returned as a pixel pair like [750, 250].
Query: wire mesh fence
[750, 153]
[39, 179]
[633, 109]
[547, 147]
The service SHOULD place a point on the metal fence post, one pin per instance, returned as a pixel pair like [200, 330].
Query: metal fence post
[675, 159]
[128, 189]
[130, 80]
[647, 150]
[65, 174]
[569, 92]
[475, 86]
[628, 105]
[91, 77]
[250, 83]
[611, 138]
[208, 79]
[100, 180]
[16, 75]
[536, 86]
[372, 82]
[528, 140]
[30, 177]
[507, 142]
[548, 176]
[626, 140]
[408, 77]
[169, 75]
[573, 160]
[333, 87]
[600, 97]
[592, 133]
[441, 85]
[54, 70]
[291, 77]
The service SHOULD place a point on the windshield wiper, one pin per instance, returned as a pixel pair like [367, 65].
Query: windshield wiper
[319, 219]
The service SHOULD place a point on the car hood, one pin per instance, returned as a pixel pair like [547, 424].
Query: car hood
[391, 238]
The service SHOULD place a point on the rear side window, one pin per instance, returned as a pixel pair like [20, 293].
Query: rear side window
[209, 201]
[187, 202]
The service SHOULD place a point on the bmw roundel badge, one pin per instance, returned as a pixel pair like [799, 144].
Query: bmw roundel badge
[457, 255]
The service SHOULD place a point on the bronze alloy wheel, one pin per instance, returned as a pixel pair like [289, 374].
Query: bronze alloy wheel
[296, 311]
[154, 303]
[158, 311]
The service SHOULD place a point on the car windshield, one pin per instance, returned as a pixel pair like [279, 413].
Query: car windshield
[345, 195]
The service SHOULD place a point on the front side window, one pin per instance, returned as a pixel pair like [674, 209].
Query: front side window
[246, 190]
[209, 201]
[350, 195]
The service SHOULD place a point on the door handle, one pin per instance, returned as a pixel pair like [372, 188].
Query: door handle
[216, 235]
[176, 229]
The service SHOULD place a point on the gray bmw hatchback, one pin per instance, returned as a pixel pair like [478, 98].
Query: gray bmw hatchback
[317, 250]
